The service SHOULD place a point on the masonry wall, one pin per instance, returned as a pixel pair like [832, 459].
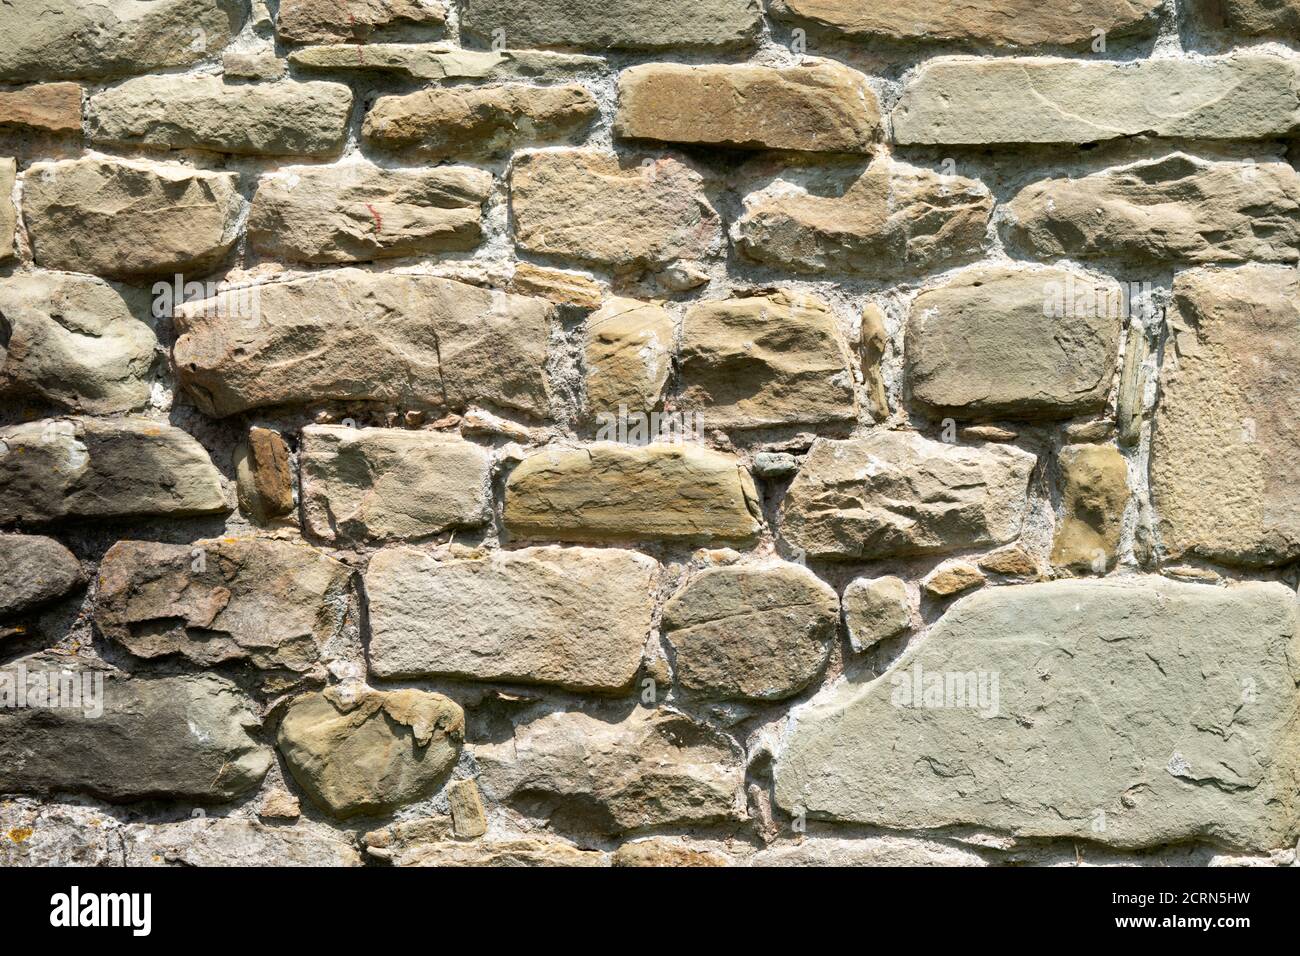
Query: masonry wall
[689, 432]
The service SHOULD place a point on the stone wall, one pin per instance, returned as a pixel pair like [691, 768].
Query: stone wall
[614, 432]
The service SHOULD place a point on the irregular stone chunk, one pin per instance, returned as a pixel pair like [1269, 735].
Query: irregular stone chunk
[255, 64]
[766, 361]
[1013, 561]
[265, 480]
[8, 212]
[272, 603]
[625, 25]
[467, 813]
[330, 21]
[174, 738]
[876, 609]
[628, 353]
[204, 112]
[574, 617]
[652, 768]
[971, 101]
[819, 106]
[1257, 17]
[129, 218]
[1176, 209]
[76, 39]
[1226, 439]
[420, 61]
[865, 851]
[354, 335]
[523, 852]
[279, 805]
[99, 468]
[1012, 342]
[751, 633]
[951, 577]
[357, 212]
[361, 484]
[229, 841]
[610, 492]
[666, 852]
[601, 209]
[34, 571]
[1094, 480]
[479, 122]
[873, 345]
[995, 22]
[565, 288]
[44, 108]
[896, 494]
[362, 751]
[888, 219]
[73, 341]
[1074, 662]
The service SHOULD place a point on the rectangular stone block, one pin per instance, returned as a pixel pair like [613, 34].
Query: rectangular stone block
[43, 108]
[340, 21]
[8, 211]
[620, 25]
[574, 617]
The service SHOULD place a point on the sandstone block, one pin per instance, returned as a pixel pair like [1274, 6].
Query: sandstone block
[876, 609]
[896, 493]
[100, 468]
[128, 218]
[43, 108]
[265, 479]
[355, 213]
[641, 25]
[955, 732]
[751, 633]
[766, 361]
[628, 351]
[34, 571]
[365, 484]
[1225, 442]
[819, 106]
[362, 751]
[332, 21]
[431, 61]
[73, 341]
[287, 118]
[1094, 493]
[950, 578]
[274, 604]
[391, 338]
[611, 492]
[1012, 342]
[599, 209]
[8, 211]
[479, 122]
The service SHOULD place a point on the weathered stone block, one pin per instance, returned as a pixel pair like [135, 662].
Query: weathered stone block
[34, 571]
[264, 476]
[440, 62]
[626, 25]
[43, 108]
[1094, 483]
[628, 351]
[876, 609]
[337, 21]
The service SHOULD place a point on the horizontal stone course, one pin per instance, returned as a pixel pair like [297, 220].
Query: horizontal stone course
[329, 21]
[639, 25]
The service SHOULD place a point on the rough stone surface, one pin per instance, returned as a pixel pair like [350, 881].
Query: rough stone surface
[420, 61]
[1094, 480]
[642, 25]
[1256, 17]
[274, 604]
[264, 475]
[951, 577]
[652, 768]
[128, 218]
[663, 852]
[876, 222]
[8, 212]
[1014, 23]
[233, 842]
[1081, 666]
[819, 106]
[178, 738]
[73, 341]
[872, 346]
[876, 609]
[1177, 209]
[360, 751]
[961, 101]
[628, 351]
[565, 288]
[751, 633]
[99, 468]
[74, 39]
[468, 818]
[574, 617]
[34, 571]
[44, 108]
[595, 208]
[610, 492]
[336, 21]
[363, 484]
[357, 212]
[479, 122]
[393, 338]
[204, 112]
[1013, 561]
[766, 361]
[1001, 341]
[1227, 437]
[524, 852]
[896, 494]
